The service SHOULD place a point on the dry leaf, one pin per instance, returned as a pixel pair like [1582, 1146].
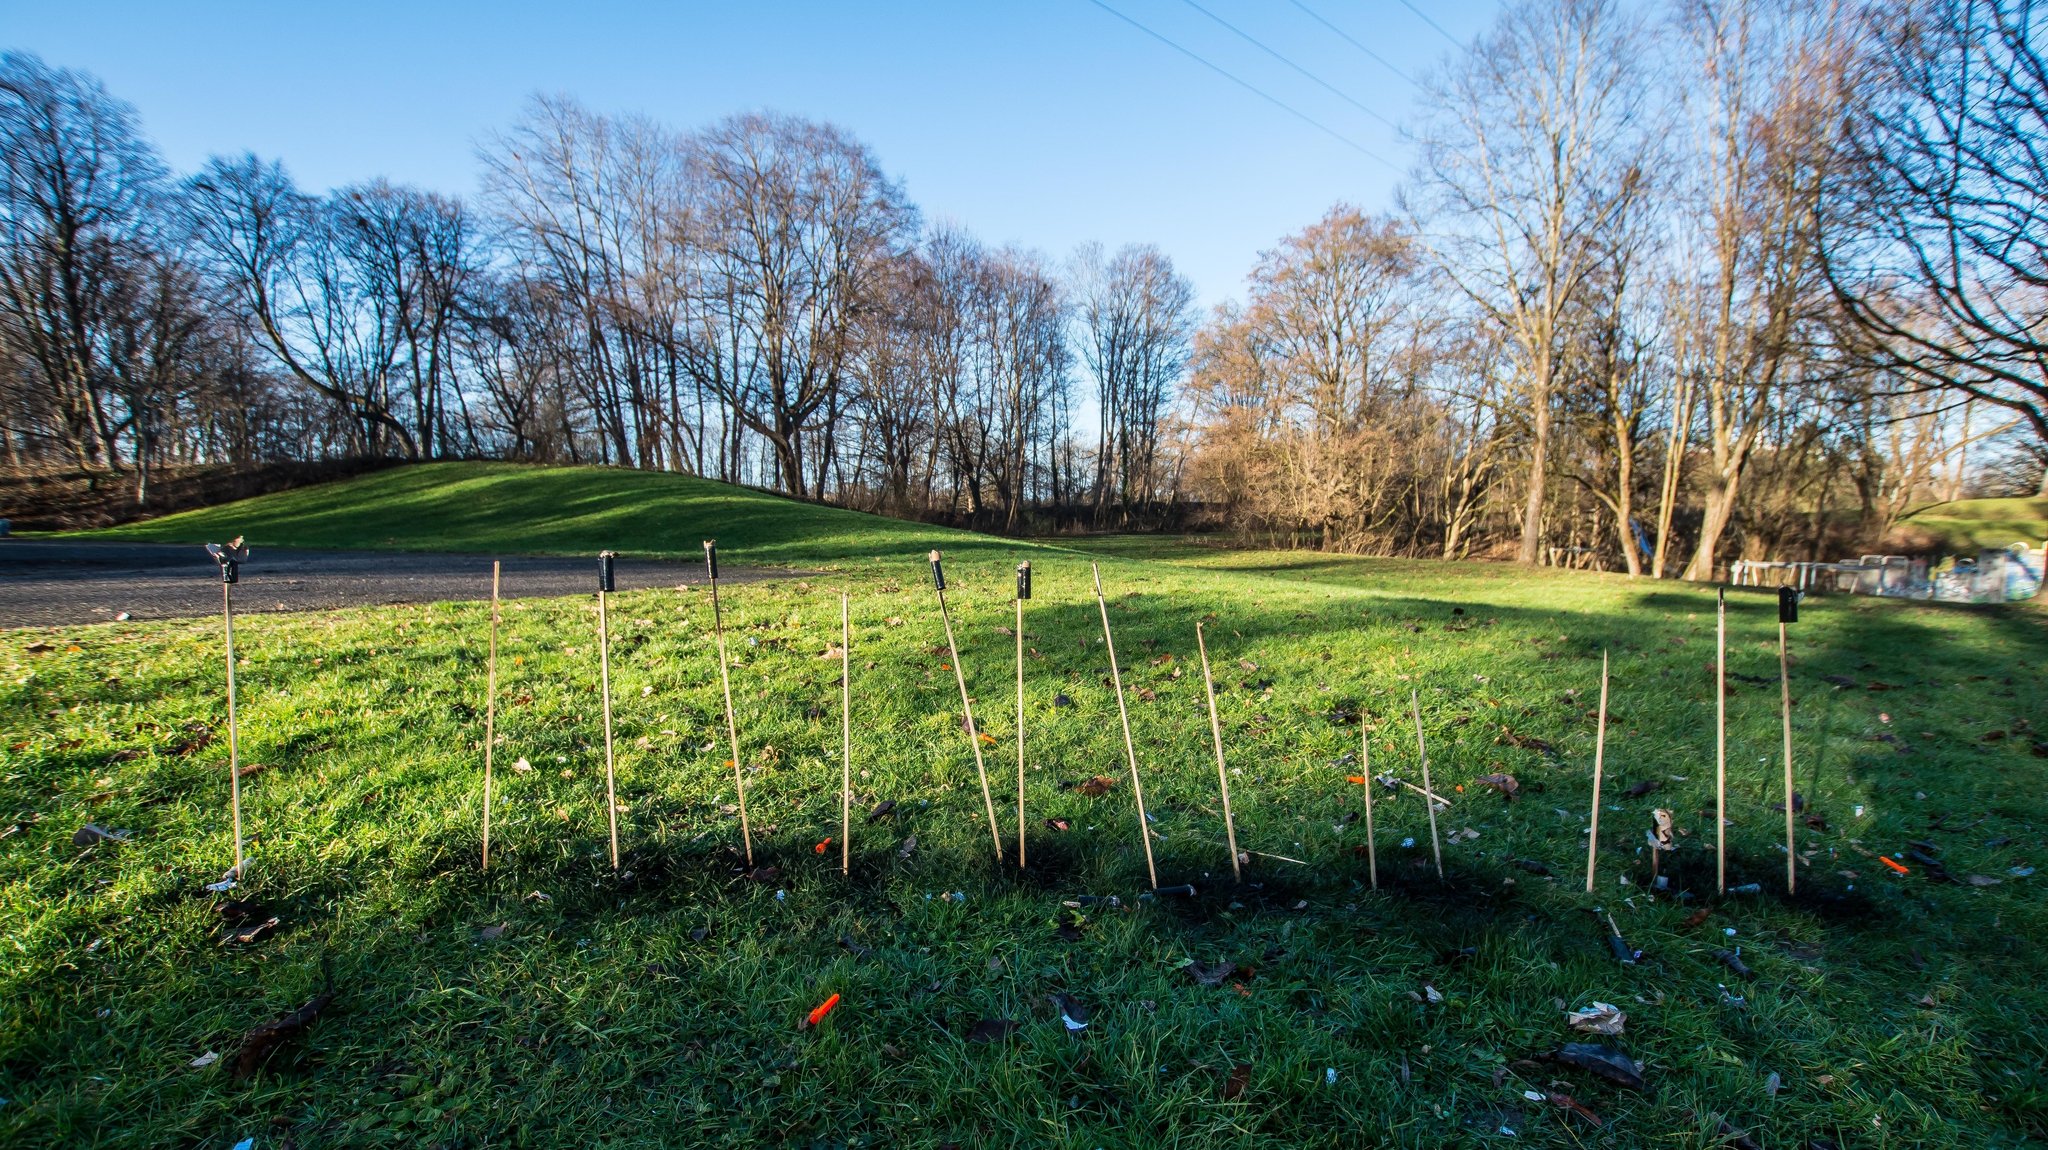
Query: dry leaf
[1210, 975]
[1096, 786]
[1600, 1018]
[264, 1041]
[1240, 1078]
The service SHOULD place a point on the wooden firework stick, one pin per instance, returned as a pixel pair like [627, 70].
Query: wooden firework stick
[1721, 742]
[604, 674]
[1599, 756]
[966, 705]
[1788, 612]
[845, 740]
[230, 558]
[1223, 776]
[1023, 593]
[1124, 713]
[1436, 848]
[732, 728]
[490, 711]
[1372, 855]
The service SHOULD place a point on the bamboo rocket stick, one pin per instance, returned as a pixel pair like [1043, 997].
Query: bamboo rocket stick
[845, 739]
[1372, 855]
[966, 706]
[1788, 612]
[227, 615]
[490, 711]
[1599, 758]
[1023, 593]
[1436, 848]
[604, 673]
[732, 727]
[1223, 775]
[1123, 712]
[1721, 742]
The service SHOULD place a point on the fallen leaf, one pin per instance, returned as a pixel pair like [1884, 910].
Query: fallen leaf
[1061, 700]
[1567, 1102]
[1643, 788]
[91, 833]
[1697, 917]
[1599, 1018]
[1603, 1061]
[253, 934]
[492, 933]
[1505, 784]
[1096, 786]
[990, 1030]
[1056, 825]
[909, 844]
[1513, 738]
[882, 810]
[266, 1040]
[1210, 975]
[1240, 1078]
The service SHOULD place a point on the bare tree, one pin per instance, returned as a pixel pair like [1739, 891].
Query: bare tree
[1532, 147]
[1137, 319]
[1937, 248]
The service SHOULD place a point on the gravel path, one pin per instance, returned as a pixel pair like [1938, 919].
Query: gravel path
[49, 583]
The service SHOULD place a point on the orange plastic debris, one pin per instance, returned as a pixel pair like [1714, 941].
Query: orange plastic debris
[1899, 867]
[820, 848]
[1359, 779]
[823, 1009]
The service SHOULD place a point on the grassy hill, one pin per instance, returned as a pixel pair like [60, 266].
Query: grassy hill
[514, 508]
[547, 1001]
[1969, 524]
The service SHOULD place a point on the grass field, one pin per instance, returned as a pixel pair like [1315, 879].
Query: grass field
[548, 1002]
[1969, 524]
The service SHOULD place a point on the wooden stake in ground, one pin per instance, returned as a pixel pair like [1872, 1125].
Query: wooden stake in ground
[230, 557]
[845, 740]
[1599, 758]
[1223, 776]
[966, 705]
[732, 727]
[1123, 712]
[605, 563]
[1721, 742]
[1788, 612]
[1372, 850]
[1436, 848]
[1023, 593]
[490, 711]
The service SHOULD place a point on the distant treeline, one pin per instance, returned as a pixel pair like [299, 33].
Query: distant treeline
[1726, 278]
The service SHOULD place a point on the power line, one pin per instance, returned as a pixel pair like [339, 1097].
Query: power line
[1290, 109]
[1426, 20]
[1383, 61]
[1318, 80]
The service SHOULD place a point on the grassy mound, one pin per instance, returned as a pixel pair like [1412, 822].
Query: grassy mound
[1967, 525]
[514, 508]
[549, 1002]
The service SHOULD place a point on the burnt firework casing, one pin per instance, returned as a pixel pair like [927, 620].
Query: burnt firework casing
[938, 573]
[711, 558]
[606, 572]
[1024, 580]
[1788, 605]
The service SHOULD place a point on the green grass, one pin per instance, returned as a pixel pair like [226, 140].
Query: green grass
[1905, 1014]
[1969, 524]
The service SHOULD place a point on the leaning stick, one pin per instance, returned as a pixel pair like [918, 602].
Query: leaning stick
[1721, 743]
[604, 672]
[1372, 856]
[966, 705]
[732, 729]
[1436, 848]
[1023, 593]
[845, 740]
[490, 711]
[229, 558]
[1223, 776]
[1788, 612]
[1432, 796]
[1124, 713]
[1599, 755]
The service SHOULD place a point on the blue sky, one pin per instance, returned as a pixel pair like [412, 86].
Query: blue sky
[1044, 124]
